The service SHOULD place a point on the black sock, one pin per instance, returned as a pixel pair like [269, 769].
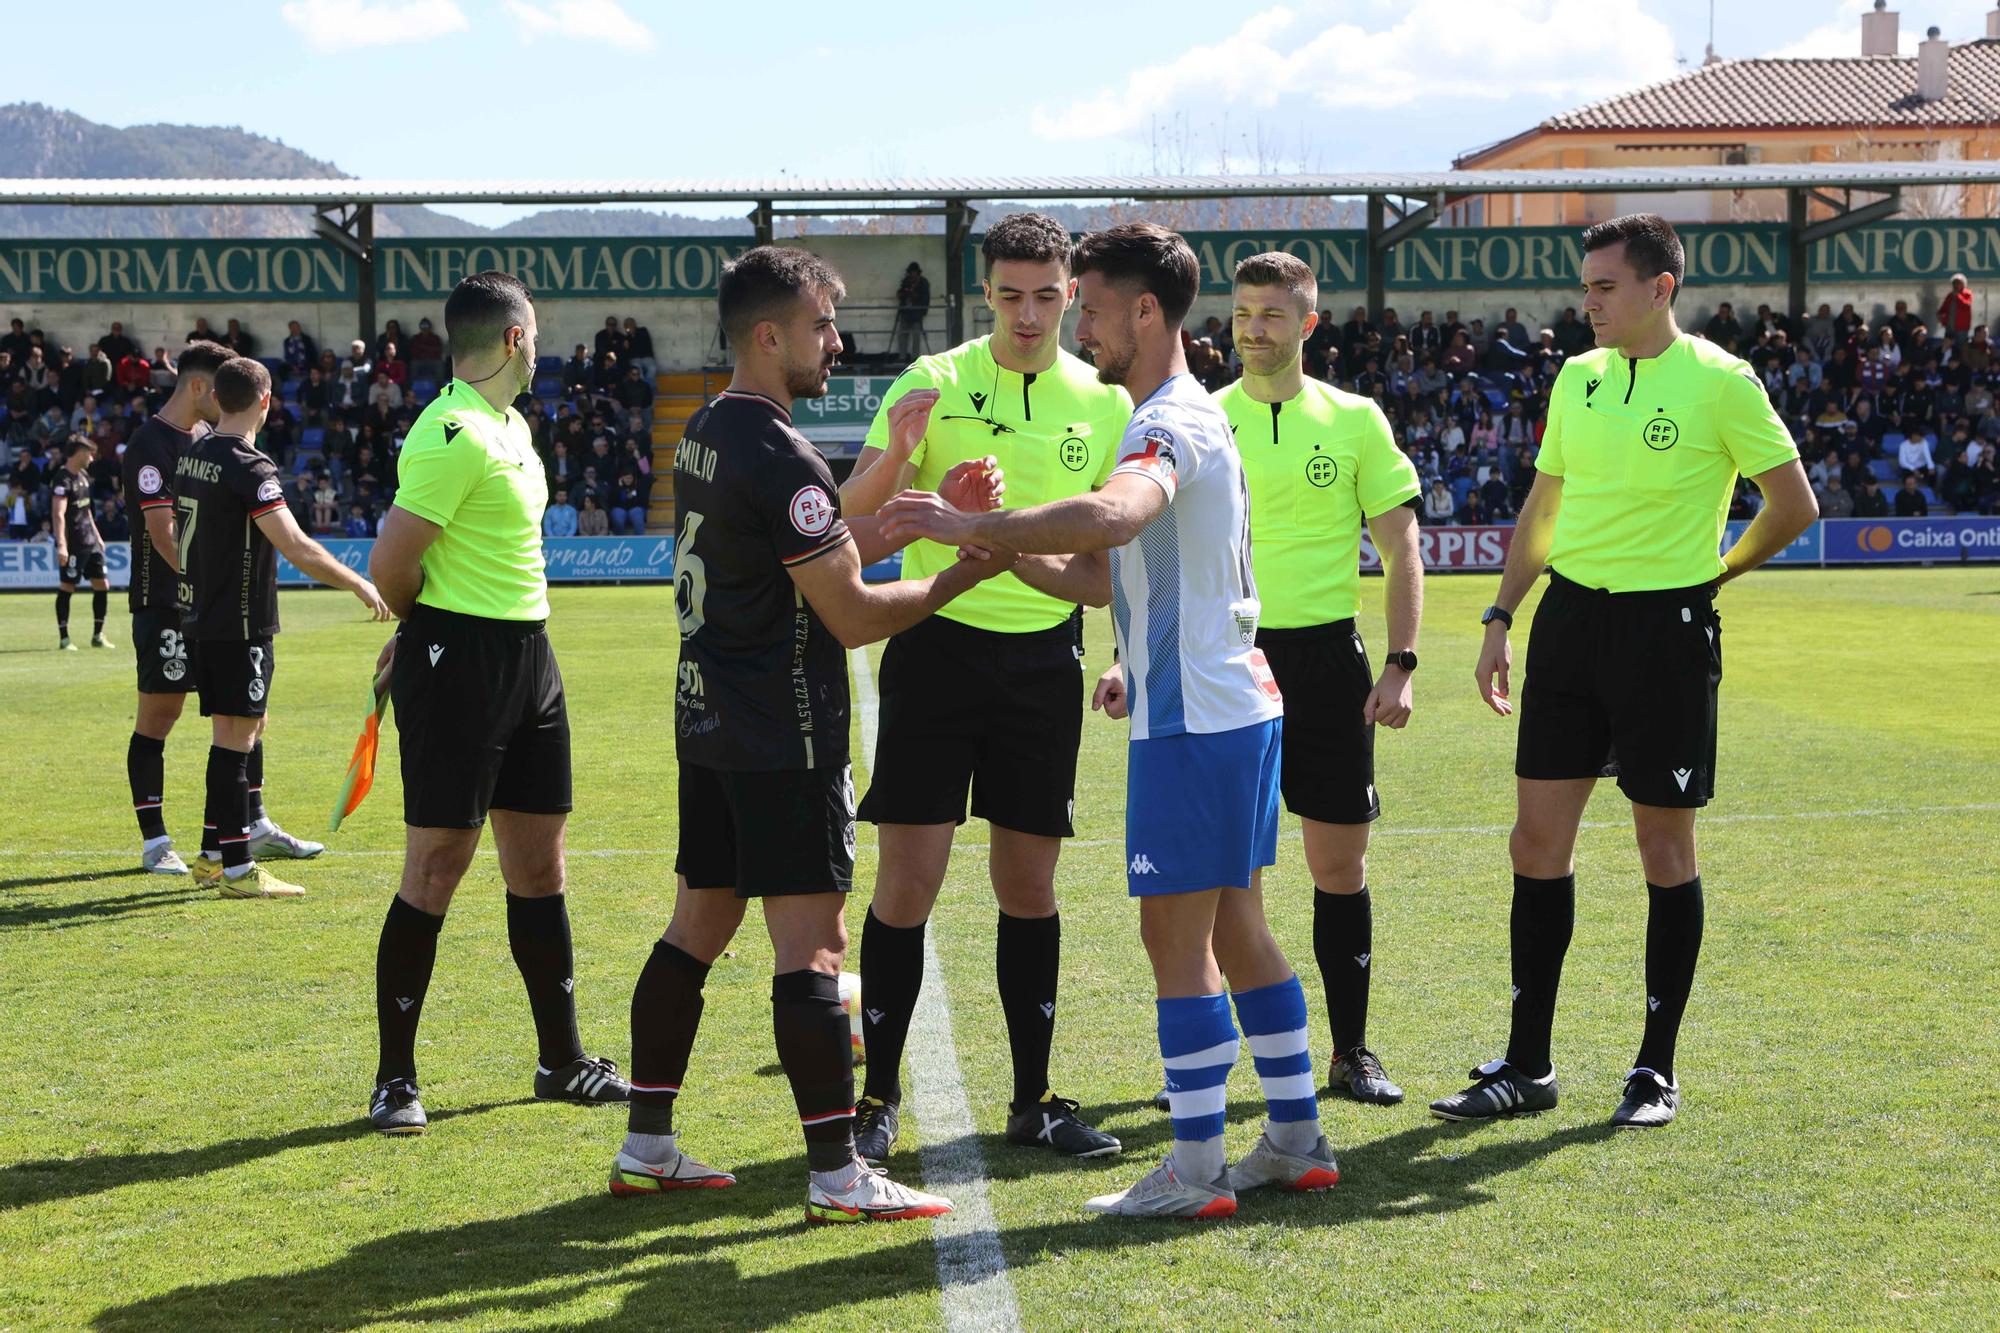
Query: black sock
[816, 1050]
[1544, 916]
[403, 961]
[892, 975]
[1673, 942]
[224, 816]
[146, 774]
[1344, 944]
[538, 932]
[62, 614]
[1027, 954]
[253, 777]
[666, 1010]
[99, 600]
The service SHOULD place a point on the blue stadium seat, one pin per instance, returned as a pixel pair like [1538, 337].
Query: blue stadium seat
[312, 437]
[1885, 469]
[548, 365]
[548, 386]
[1461, 488]
[292, 389]
[274, 364]
[425, 390]
[1892, 441]
[1930, 495]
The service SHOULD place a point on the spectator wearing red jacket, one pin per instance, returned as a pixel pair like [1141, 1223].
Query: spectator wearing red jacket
[1955, 311]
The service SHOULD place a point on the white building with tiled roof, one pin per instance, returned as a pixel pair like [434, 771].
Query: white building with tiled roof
[1944, 103]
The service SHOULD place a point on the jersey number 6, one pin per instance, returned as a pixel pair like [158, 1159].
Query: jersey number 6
[690, 578]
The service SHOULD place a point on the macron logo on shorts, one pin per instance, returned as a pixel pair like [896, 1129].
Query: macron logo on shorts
[1681, 775]
[437, 651]
[1142, 864]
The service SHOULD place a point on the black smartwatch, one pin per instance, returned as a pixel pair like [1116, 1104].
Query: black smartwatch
[1405, 659]
[1493, 613]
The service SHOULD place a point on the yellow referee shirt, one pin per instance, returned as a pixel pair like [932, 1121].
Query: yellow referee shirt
[1648, 452]
[1317, 467]
[1055, 433]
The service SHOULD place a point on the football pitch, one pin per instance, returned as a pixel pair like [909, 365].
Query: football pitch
[186, 1078]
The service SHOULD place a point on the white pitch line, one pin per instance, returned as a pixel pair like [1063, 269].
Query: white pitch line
[973, 1286]
[1380, 831]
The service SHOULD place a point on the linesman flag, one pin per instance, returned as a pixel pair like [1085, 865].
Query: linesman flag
[361, 768]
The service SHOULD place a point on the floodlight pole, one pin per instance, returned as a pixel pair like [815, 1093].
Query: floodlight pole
[351, 228]
[1803, 235]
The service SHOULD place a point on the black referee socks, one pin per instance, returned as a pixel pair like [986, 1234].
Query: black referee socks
[1344, 945]
[538, 933]
[1027, 954]
[146, 774]
[223, 821]
[892, 975]
[666, 1010]
[403, 962]
[817, 1053]
[1543, 919]
[1673, 943]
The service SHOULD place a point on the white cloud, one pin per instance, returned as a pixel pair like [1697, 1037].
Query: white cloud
[338, 25]
[1432, 55]
[589, 20]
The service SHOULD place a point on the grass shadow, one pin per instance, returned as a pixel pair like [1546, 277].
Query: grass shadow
[25, 1184]
[63, 915]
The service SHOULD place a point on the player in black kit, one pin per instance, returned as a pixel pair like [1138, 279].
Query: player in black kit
[165, 673]
[79, 548]
[232, 524]
[768, 591]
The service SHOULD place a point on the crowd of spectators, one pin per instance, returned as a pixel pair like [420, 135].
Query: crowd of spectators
[1891, 416]
[337, 422]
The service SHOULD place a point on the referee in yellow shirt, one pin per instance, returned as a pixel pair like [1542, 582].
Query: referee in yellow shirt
[985, 698]
[1321, 464]
[1646, 436]
[480, 712]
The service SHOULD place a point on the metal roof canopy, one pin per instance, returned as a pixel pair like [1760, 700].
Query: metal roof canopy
[346, 207]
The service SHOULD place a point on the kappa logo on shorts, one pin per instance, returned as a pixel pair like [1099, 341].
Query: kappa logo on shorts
[1142, 864]
[811, 511]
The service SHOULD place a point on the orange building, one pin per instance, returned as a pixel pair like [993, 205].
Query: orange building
[1876, 106]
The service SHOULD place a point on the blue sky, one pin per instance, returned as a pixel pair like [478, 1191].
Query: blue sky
[606, 88]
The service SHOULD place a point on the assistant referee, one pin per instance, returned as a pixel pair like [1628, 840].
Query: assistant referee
[480, 710]
[1646, 436]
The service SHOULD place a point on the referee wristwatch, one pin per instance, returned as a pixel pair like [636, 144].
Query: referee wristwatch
[1493, 613]
[1405, 659]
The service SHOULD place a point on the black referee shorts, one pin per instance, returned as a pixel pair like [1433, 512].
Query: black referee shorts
[1625, 677]
[163, 651]
[1327, 770]
[481, 720]
[766, 834]
[967, 709]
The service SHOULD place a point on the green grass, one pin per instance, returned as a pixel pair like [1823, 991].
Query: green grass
[182, 1144]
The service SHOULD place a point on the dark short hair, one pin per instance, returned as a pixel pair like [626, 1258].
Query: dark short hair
[760, 283]
[74, 443]
[1147, 256]
[240, 382]
[1275, 268]
[1034, 238]
[482, 308]
[202, 357]
[1651, 245]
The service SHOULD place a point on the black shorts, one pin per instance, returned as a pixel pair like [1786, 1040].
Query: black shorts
[233, 676]
[1623, 684]
[166, 656]
[481, 720]
[966, 709]
[767, 834]
[81, 567]
[1327, 769]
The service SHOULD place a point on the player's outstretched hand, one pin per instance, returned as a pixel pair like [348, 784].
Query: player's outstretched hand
[377, 608]
[1110, 692]
[974, 486]
[915, 514]
[909, 419]
[1496, 656]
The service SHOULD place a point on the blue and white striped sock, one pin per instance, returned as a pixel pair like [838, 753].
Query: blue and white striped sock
[1274, 1019]
[1198, 1045]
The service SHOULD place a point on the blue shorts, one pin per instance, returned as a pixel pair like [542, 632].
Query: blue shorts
[1201, 811]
